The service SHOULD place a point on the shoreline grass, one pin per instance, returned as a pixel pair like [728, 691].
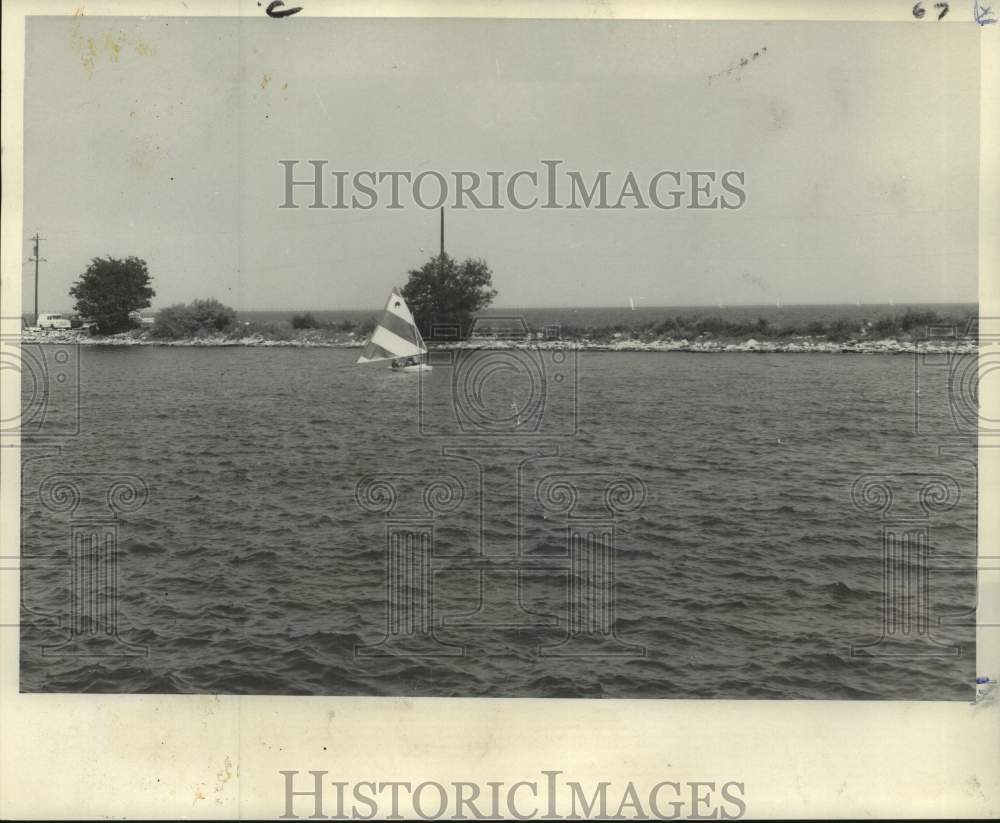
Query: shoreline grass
[900, 332]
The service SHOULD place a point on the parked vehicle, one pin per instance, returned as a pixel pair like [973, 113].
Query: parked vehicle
[141, 319]
[54, 321]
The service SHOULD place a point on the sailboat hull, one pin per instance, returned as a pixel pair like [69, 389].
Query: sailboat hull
[418, 367]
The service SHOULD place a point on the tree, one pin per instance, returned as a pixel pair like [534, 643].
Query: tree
[444, 292]
[196, 319]
[110, 290]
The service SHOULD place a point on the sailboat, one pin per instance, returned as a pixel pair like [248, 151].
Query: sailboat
[396, 338]
[631, 303]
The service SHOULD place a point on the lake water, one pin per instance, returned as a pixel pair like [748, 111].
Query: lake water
[593, 525]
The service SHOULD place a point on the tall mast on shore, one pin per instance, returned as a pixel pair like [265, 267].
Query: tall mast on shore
[36, 260]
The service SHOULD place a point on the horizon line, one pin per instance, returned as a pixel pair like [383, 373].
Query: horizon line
[625, 307]
[617, 307]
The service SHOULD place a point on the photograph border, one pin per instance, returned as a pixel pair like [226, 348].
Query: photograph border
[78, 756]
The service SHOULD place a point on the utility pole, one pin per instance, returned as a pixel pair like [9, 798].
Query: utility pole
[36, 259]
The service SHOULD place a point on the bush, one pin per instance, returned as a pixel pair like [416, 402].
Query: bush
[840, 331]
[281, 330]
[305, 321]
[919, 320]
[885, 327]
[196, 319]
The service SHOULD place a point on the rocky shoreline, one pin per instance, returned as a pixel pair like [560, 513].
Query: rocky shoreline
[795, 345]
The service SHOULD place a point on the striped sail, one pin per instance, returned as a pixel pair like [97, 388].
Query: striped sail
[395, 335]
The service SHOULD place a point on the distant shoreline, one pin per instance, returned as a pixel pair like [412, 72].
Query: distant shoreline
[833, 330]
[796, 345]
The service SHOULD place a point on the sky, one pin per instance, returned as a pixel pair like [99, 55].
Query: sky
[161, 138]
